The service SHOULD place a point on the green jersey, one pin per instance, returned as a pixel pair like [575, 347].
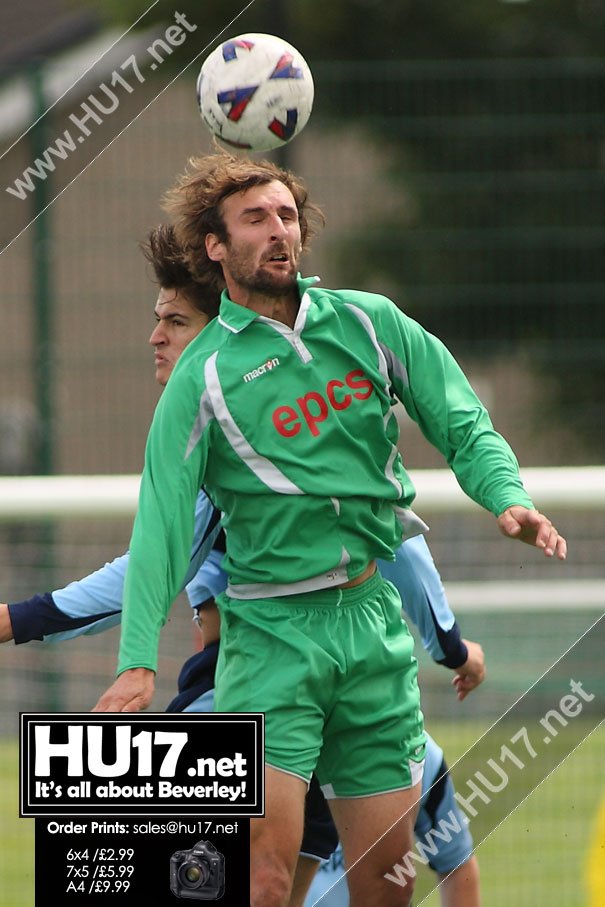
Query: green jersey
[291, 431]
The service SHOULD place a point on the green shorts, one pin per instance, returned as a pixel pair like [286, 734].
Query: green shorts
[334, 673]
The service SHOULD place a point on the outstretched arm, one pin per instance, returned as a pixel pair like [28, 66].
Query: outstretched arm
[94, 603]
[438, 396]
[89, 605]
[163, 531]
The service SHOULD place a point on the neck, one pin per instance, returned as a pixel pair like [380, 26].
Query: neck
[282, 308]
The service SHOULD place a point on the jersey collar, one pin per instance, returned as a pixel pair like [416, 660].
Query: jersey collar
[236, 317]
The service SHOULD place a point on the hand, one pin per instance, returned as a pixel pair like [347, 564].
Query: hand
[6, 628]
[131, 692]
[471, 673]
[533, 528]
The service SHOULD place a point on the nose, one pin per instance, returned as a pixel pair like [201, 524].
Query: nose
[278, 228]
[157, 335]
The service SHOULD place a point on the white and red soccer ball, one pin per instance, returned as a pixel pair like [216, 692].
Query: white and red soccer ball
[255, 92]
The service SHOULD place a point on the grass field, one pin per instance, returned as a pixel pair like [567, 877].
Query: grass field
[538, 857]
[16, 836]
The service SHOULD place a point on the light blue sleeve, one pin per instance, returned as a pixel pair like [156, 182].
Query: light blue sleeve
[209, 581]
[84, 601]
[203, 703]
[94, 604]
[417, 579]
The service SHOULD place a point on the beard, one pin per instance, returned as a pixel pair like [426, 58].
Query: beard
[259, 279]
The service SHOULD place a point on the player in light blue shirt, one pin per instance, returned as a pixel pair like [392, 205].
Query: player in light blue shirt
[94, 604]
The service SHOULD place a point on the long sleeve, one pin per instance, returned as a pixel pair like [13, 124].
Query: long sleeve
[437, 395]
[94, 604]
[164, 526]
[417, 579]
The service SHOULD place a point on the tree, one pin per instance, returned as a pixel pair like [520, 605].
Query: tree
[397, 29]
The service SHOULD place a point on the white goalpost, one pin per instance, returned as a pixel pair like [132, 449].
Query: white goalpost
[571, 489]
[41, 497]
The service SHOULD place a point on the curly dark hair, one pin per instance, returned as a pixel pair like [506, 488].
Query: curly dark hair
[195, 202]
[171, 271]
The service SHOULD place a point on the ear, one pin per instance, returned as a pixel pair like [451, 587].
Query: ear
[214, 247]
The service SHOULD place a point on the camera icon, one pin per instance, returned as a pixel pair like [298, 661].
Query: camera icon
[199, 873]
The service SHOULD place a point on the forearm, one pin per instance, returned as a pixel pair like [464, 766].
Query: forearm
[152, 582]
[424, 601]
[487, 469]
[455, 651]
[88, 605]
[38, 618]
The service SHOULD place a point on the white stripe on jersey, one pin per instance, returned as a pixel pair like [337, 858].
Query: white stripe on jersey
[262, 468]
[382, 366]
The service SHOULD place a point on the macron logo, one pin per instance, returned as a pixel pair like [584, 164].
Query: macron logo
[257, 372]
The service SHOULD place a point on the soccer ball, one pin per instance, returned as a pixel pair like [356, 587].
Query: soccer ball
[255, 92]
